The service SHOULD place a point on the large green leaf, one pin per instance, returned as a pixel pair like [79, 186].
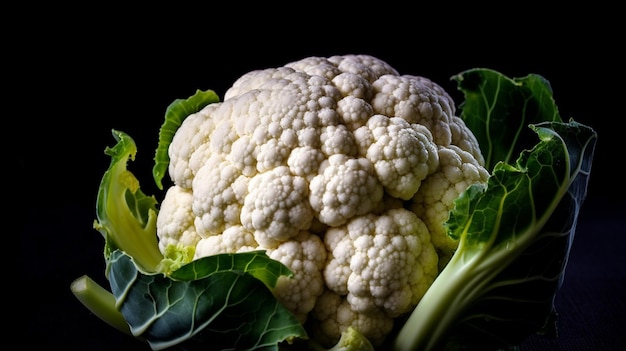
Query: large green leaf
[220, 303]
[517, 236]
[498, 110]
[516, 230]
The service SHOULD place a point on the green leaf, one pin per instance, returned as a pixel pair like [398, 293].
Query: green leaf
[225, 306]
[126, 217]
[175, 114]
[518, 238]
[499, 109]
[514, 232]
[256, 263]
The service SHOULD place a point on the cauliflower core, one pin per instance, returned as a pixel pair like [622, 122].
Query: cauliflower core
[340, 168]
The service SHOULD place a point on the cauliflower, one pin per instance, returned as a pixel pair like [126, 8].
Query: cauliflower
[340, 168]
[333, 203]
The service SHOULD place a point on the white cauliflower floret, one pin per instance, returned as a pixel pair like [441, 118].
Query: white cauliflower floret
[354, 112]
[384, 262]
[276, 207]
[343, 150]
[457, 170]
[333, 314]
[176, 219]
[305, 255]
[402, 154]
[345, 187]
[191, 144]
[217, 205]
[417, 100]
[232, 240]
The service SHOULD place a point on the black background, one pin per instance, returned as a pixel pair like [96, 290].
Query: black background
[80, 72]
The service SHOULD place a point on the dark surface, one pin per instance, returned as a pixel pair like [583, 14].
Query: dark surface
[111, 72]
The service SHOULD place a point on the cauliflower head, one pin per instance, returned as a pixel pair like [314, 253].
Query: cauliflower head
[339, 167]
